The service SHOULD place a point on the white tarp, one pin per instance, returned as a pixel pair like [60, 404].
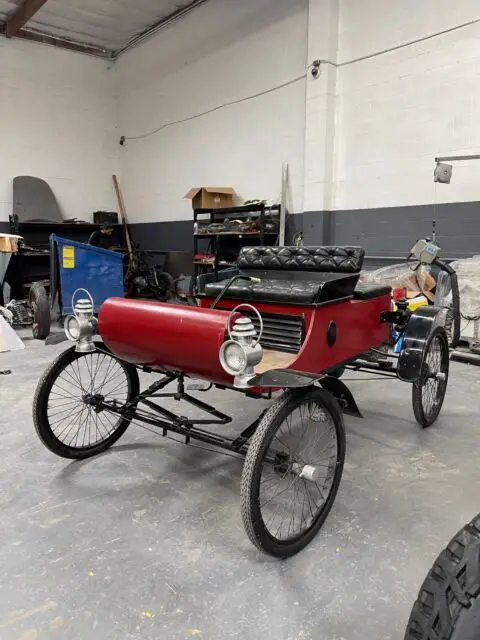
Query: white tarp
[9, 341]
[468, 274]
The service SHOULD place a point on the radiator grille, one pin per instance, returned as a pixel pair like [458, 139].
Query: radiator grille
[280, 332]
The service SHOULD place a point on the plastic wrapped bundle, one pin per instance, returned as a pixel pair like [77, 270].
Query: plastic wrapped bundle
[403, 276]
[468, 273]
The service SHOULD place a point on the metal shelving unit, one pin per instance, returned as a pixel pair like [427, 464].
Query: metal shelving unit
[221, 248]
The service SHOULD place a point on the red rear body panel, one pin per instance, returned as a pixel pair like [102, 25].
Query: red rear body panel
[358, 329]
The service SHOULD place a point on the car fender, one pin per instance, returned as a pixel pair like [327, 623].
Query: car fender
[419, 328]
[288, 379]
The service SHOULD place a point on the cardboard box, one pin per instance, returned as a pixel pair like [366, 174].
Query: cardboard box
[211, 197]
[9, 243]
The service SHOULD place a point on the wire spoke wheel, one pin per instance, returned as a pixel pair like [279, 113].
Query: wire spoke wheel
[292, 471]
[67, 409]
[449, 324]
[428, 392]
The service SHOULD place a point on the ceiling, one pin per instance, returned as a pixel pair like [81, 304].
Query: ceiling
[103, 26]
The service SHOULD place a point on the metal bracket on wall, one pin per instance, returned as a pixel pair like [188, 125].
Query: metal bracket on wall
[457, 158]
[443, 175]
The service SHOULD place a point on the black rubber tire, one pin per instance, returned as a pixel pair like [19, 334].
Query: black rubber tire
[40, 406]
[40, 305]
[249, 491]
[166, 285]
[448, 604]
[452, 329]
[166, 281]
[454, 310]
[427, 420]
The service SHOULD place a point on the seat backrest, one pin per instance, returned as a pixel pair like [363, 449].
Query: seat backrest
[319, 259]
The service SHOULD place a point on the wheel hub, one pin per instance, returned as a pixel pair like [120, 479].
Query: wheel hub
[434, 375]
[284, 464]
[281, 464]
[94, 400]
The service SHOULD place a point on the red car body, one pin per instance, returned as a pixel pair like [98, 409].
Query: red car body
[187, 340]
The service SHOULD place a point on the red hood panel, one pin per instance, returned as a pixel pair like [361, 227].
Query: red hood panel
[172, 337]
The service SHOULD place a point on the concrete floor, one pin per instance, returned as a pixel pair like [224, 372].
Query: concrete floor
[147, 542]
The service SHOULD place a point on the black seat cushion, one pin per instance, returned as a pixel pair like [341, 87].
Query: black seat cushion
[320, 259]
[367, 292]
[301, 292]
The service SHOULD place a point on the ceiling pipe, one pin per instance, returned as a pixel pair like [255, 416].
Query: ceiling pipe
[60, 43]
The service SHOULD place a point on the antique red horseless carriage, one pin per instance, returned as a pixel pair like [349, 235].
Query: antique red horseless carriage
[286, 325]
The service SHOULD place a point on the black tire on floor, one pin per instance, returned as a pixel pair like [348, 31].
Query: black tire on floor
[322, 408]
[428, 392]
[40, 305]
[64, 383]
[448, 604]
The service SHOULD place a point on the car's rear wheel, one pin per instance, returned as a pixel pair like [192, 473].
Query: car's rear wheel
[428, 391]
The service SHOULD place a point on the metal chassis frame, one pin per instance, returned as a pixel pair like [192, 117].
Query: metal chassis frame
[166, 420]
[382, 368]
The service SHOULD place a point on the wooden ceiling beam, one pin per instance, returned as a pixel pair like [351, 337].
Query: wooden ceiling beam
[61, 43]
[23, 14]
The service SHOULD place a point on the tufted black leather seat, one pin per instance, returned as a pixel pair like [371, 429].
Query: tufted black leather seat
[295, 275]
[302, 292]
[317, 259]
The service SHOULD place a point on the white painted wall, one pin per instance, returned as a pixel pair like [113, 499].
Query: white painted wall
[399, 110]
[222, 51]
[390, 115]
[57, 122]
[321, 107]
